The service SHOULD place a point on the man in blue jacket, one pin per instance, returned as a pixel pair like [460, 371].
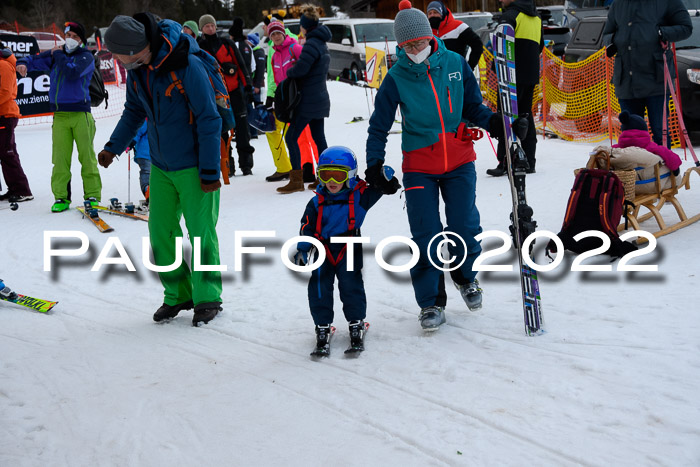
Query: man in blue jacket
[71, 67]
[183, 134]
[439, 98]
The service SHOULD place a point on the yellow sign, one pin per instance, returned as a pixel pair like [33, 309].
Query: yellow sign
[376, 66]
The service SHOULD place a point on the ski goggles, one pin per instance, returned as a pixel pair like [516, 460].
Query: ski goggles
[334, 174]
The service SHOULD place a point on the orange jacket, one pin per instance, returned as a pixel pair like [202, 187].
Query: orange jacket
[8, 86]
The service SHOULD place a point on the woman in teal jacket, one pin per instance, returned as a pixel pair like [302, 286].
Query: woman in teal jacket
[439, 98]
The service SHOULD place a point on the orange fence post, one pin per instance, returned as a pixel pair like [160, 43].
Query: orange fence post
[543, 85]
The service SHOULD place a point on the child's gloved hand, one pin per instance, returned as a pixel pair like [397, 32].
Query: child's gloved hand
[303, 258]
[382, 177]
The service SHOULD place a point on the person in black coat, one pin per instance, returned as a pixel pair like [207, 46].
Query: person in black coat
[456, 35]
[529, 42]
[310, 71]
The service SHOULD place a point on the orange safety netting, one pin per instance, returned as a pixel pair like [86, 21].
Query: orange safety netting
[574, 101]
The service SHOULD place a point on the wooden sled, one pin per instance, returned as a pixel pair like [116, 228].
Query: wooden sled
[653, 202]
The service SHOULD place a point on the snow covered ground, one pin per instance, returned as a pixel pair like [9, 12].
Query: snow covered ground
[614, 381]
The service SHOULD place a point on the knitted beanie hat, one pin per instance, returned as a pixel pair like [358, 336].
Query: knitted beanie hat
[630, 121]
[77, 28]
[125, 36]
[437, 6]
[254, 39]
[275, 26]
[193, 26]
[411, 24]
[206, 19]
[308, 23]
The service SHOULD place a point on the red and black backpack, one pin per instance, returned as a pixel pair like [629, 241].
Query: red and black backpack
[596, 202]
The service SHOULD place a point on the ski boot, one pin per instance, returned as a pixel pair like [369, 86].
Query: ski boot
[171, 311]
[323, 341]
[6, 293]
[205, 312]
[60, 205]
[357, 336]
[432, 317]
[471, 294]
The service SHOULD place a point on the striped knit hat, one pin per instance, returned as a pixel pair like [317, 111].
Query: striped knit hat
[275, 26]
[411, 24]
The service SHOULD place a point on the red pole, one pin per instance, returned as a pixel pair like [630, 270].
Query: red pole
[607, 60]
[16, 27]
[54, 35]
[679, 105]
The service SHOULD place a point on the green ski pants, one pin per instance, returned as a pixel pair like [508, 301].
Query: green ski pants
[79, 127]
[172, 195]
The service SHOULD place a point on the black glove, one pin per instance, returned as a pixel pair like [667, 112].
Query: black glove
[270, 103]
[611, 50]
[375, 177]
[519, 126]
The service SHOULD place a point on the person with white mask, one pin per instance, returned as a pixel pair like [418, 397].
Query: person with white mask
[70, 67]
[439, 100]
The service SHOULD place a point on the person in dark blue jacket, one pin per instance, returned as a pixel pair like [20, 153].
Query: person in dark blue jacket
[310, 71]
[338, 210]
[71, 67]
[183, 135]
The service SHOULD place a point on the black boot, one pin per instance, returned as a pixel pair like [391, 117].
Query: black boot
[205, 312]
[308, 173]
[323, 335]
[499, 171]
[357, 333]
[171, 311]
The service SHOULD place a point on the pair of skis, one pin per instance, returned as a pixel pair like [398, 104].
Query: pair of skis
[351, 351]
[522, 224]
[115, 208]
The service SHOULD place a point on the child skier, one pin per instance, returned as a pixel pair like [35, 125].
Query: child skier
[338, 209]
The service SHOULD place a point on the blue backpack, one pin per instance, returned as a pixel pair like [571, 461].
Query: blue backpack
[216, 79]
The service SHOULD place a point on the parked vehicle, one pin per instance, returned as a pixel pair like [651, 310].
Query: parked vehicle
[586, 39]
[348, 40]
[688, 59]
[474, 19]
[46, 40]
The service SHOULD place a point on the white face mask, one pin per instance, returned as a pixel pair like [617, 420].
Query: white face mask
[420, 56]
[71, 44]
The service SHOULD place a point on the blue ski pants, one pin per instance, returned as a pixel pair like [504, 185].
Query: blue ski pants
[458, 190]
[350, 287]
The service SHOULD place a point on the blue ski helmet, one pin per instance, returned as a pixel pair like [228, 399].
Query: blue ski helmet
[262, 119]
[340, 156]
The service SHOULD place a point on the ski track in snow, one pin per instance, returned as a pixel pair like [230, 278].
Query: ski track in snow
[95, 382]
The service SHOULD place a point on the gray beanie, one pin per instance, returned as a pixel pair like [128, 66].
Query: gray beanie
[125, 36]
[437, 6]
[411, 24]
[206, 19]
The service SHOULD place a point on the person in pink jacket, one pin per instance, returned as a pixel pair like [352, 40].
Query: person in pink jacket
[287, 51]
[636, 133]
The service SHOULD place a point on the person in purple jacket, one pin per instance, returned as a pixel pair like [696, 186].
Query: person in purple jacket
[70, 67]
